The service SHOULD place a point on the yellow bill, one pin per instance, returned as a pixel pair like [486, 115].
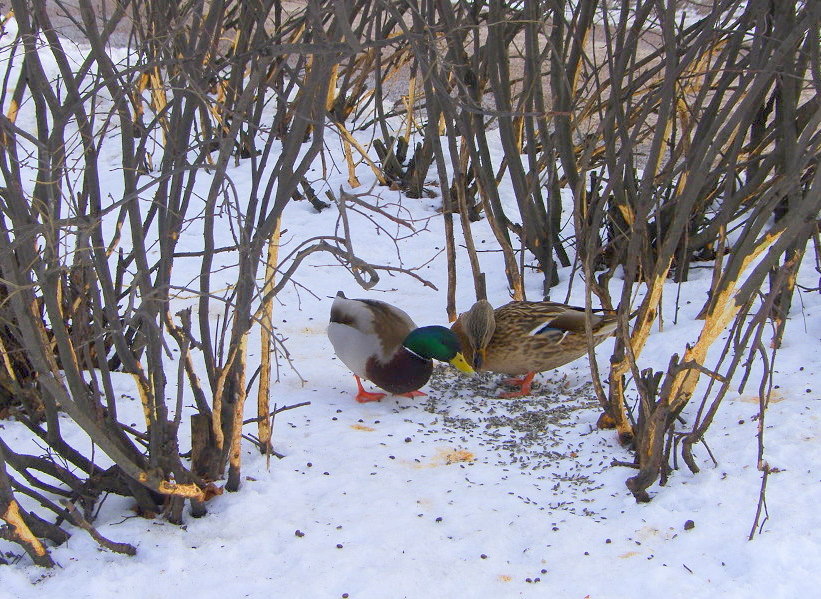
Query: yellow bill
[460, 363]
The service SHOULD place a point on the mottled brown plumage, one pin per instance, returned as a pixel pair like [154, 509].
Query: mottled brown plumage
[523, 338]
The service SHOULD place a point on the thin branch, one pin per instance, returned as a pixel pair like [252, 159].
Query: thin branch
[79, 521]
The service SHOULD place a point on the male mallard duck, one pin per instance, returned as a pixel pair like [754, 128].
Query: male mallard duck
[381, 343]
[523, 338]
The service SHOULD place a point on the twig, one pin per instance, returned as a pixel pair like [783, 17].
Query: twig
[633, 465]
[277, 411]
[255, 440]
[762, 504]
[356, 199]
[709, 452]
[77, 519]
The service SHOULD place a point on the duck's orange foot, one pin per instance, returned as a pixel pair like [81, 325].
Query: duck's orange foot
[524, 383]
[363, 396]
[413, 394]
[366, 396]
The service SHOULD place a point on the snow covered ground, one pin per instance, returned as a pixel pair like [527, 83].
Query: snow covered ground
[461, 494]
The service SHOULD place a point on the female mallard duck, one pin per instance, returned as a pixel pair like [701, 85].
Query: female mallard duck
[523, 338]
[381, 343]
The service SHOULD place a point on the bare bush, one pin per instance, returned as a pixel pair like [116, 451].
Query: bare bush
[83, 298]
[678, 141]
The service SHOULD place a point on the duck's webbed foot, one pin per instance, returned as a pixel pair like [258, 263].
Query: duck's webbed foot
[524, 383]
[363, 396]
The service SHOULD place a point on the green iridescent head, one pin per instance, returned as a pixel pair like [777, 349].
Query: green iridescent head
[438, 343]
